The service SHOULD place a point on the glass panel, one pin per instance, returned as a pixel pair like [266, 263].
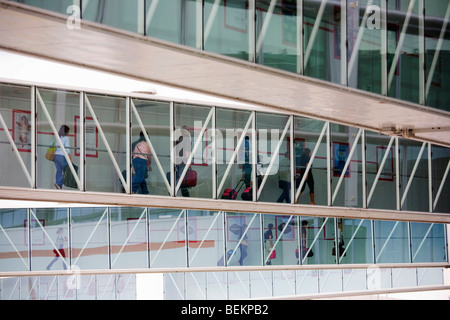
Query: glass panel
[217, 285]
[364, 36]
[227, 28]
[307, 134]
[307, 281]
[437, 40]
[280, 240]
[354, 279]
[317, 240]
[428, 242]
[195, 286]
[115, 13]
[233, 179]
[261, 284]
[90, 246]
[239, 285]
[63, 108]
[58, 6]
[243, 239]
[129, 238]
[283, 282]
[273, 138]
[103, 156]
[168, 238]
[349, 193]
[355, 241]
[330, 280]
[49, 239]
[14, 240]
[189, 122]
[322, 40]
[441, 188]
[277, 34]
[381, 193]
[403, 50]
[174, 286]
[15, 111]
[155, 117]
[173, 20]
[205, 238]
[391, 242]
[414, 174]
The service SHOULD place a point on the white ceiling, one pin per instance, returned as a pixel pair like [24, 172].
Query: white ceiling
[45, 35]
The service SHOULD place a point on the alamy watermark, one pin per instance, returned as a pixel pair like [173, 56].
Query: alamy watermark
[373, 17]
[74, 20]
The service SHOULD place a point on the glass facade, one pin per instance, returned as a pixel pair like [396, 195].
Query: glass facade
[90, 238]
[117, 144]
[216, 285]
[397, 49]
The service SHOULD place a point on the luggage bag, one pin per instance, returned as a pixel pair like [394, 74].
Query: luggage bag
[232, 193]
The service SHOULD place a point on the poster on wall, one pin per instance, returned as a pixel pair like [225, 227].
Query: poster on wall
[340, 155]
[90, 136]
[22, 130]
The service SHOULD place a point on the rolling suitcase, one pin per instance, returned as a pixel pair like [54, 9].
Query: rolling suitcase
[247, 194]
[232, 193]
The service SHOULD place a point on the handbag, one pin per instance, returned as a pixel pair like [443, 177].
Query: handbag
[50, 154]
[273, 255]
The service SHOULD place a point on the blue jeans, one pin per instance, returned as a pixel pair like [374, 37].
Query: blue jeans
[60, 164]
[140, 167]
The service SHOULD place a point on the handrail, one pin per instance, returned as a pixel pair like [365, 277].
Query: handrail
[222, 269]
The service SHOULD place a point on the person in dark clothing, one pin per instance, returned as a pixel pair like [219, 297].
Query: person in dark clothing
[303, 163]
[268, 243]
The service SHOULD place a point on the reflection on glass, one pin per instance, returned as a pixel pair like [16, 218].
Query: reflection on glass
[317, 240]
[354, 241]
[322, 40]
[192, 136]
[227, 28]
[90, 246]
[129, 238]
[233, 152]
[440, 165]
[168, 236]
[155, 119]
[404, 50]
[15, 136]
[13, 247]
[391, 242]
[273, 133]
[63, 107]
[206, 243]
[243, 239]
[426, 242]
[280, 240]
[381, 171]
[414, 176]
[311, 186]
[119, 14]
[364, 36]
[49, 229]
[60, 6]
[173, 20]
[106, 152]
[437, 38]
[277, 34]
[346, 167]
